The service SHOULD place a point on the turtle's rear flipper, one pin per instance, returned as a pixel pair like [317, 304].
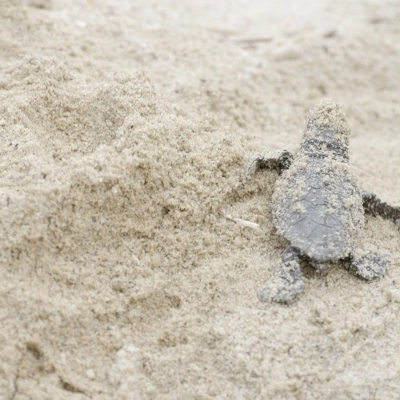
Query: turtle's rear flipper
[289, 284]
[277, 161]
[375, 206]
[369, 265]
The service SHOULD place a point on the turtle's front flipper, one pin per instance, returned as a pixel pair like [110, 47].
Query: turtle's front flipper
[278, 161]
[289, 284]
[375, 206]
[369, 265]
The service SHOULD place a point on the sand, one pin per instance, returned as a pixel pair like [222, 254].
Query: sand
[125, 131]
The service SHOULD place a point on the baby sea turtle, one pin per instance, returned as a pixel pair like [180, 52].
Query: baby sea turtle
[317, 207]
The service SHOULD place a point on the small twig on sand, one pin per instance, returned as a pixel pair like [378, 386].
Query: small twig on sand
[254, 40]
[243, 222]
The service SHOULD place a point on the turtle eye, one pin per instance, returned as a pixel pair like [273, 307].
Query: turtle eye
[333, 146]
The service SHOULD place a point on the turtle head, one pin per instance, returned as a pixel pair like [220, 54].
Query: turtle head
[327, 132]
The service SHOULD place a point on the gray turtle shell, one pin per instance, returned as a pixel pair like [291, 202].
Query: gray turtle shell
[318, 208]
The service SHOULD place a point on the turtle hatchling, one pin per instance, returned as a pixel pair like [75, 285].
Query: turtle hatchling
[317, 206]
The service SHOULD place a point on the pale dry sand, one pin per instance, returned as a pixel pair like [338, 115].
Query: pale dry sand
[125, 129]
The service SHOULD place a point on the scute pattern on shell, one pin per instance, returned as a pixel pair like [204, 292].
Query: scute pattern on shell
[318, 208]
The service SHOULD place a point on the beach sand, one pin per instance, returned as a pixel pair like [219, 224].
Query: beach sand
[125, 133]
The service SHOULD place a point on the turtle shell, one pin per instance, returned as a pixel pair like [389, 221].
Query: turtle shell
[318, 208]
